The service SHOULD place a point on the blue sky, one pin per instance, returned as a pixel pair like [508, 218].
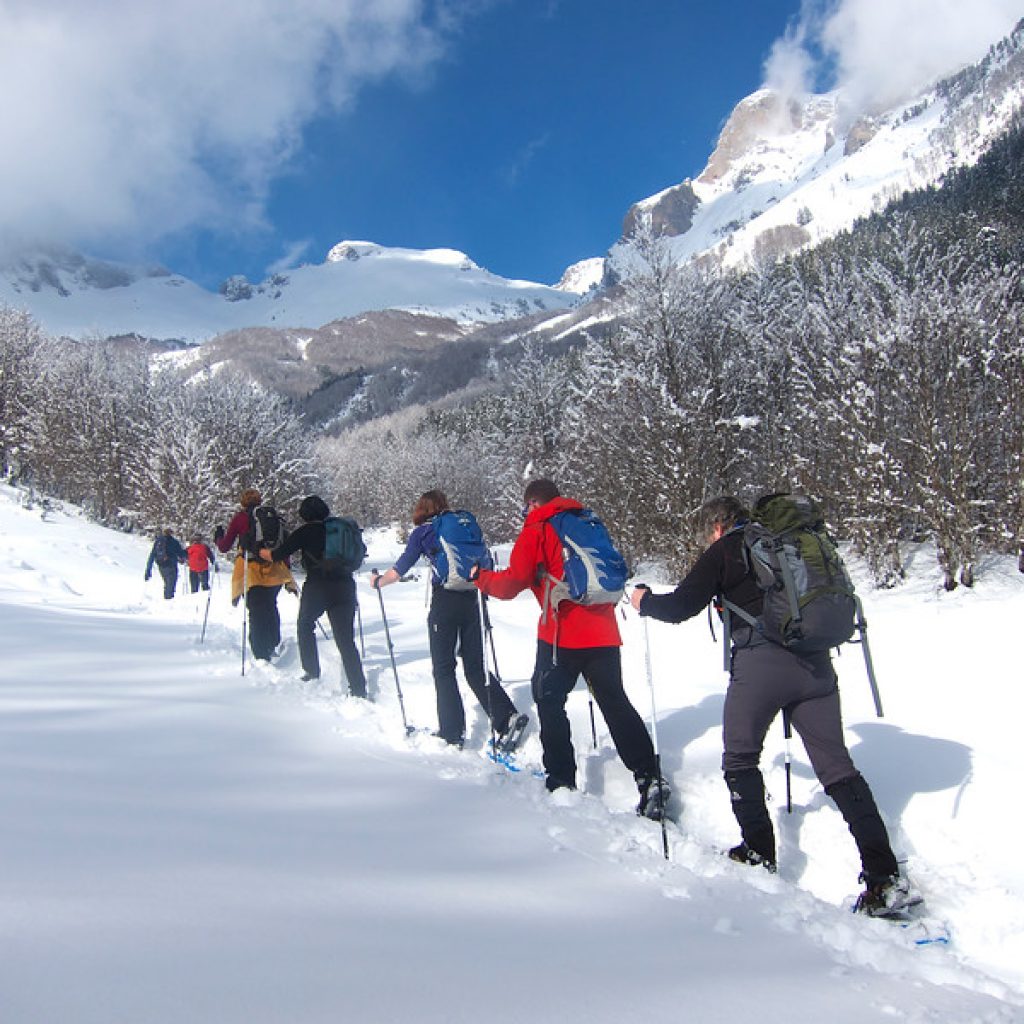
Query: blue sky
[245, 135]
[525, 145]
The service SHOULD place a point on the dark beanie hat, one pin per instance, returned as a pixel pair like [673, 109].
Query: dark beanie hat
[313, 509]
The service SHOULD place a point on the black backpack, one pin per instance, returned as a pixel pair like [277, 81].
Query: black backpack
[809, 601]
[344, 549]
[266, 530]
[160, 554]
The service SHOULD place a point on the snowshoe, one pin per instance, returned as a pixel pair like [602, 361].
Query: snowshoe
[887, 897]
[511, 736]
[743, 854]
[654, 794]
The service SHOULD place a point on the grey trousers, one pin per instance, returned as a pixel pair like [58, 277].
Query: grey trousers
[765, 680]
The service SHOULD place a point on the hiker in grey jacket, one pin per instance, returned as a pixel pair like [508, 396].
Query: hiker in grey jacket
[765, 679]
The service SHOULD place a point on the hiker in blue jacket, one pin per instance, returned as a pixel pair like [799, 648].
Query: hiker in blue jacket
[766, 678]
[454, 626]
[167, 554]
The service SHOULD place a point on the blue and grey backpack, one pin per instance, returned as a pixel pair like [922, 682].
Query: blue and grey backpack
[595, 571]
[460, 546]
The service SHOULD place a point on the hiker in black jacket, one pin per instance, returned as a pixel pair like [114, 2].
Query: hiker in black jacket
[322, 593]
[167, 553]
[765, 679]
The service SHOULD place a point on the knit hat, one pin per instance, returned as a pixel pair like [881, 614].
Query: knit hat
[313, 509]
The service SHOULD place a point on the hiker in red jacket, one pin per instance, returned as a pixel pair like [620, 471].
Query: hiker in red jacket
[572, 640]
[200, 556]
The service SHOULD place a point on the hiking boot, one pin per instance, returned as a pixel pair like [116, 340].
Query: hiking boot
[886, 897]
[743, 854]
[509, 737]
[654, 794]
[457, 743]
[552, 785]
[308, 677]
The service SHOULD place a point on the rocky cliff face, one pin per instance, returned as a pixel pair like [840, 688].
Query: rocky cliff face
[671, 212]
[762, 116]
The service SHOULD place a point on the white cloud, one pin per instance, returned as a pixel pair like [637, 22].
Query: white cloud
[882, 51]
[289, 259]
[128, 116]
[521, 161]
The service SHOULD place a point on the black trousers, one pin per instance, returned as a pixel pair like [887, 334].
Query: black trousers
[338, 599]
[264, 621]
[552, 684]
[454, 628]
[169, 574]
[199, 580]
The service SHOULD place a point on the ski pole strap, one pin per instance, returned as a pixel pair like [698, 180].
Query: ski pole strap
[862, 628]
[726, 635]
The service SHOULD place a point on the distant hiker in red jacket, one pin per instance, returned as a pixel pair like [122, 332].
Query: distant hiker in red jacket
[200, 556]
[588, 644]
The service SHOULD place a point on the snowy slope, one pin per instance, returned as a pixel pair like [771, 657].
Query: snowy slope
[69, 295]
[184, 843]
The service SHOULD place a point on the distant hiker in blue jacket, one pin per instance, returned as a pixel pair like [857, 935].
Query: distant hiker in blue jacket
[454, 628]
[167, 554]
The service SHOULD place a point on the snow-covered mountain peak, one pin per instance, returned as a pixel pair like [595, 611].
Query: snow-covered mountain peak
[352, 251]
[582, 277]
[349, 250]
[789, 171]
[762, 122]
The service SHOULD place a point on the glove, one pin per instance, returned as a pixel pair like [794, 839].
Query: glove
[218, 534]
[292, 589]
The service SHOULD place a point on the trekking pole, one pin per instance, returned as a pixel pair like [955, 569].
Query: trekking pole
[394, 667]
[862, 626]
[787, 731]
[322, 630]
[245, 603]
[206, 615]
[484, 634]
[654, 737]
[494, 653]
[593, 723]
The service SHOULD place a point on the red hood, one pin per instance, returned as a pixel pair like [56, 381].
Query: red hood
[552, 508]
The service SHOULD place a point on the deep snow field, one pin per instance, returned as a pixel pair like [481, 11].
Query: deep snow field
[182, 843]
